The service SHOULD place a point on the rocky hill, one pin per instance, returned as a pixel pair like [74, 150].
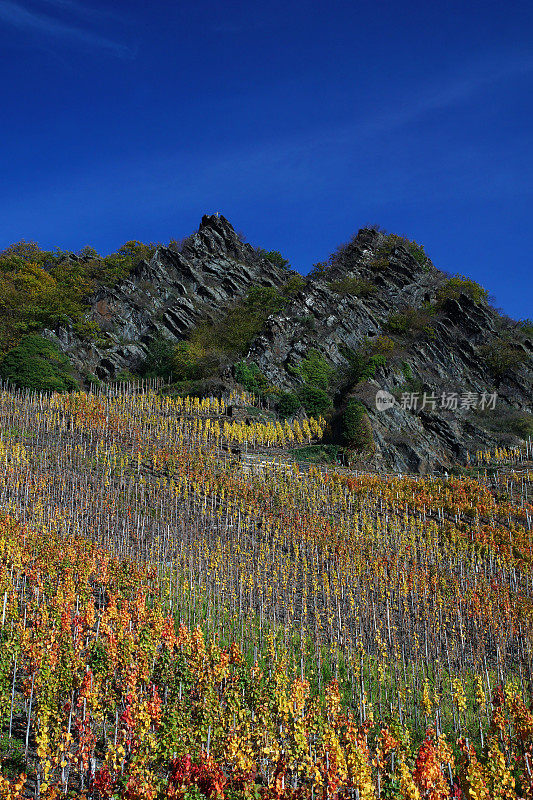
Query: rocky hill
[377, 317]
[167, 296]
[451, 351]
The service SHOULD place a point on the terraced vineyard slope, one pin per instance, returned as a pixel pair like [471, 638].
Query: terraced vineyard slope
[176, 624]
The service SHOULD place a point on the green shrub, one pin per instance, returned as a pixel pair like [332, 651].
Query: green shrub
[356, 427]
[233, 333]
[198, 364]
[315, 370]
[89, 331]
[398, 323]
[20, 253]
[411, 384]
[344, 256]
[36, 363]
[380, 263]
[92, 381]
[40, 288]
[12, 757]
[288, 404]
[319, 270]
[412, 320]
[34, 295]
[180, 361]
[160, 359]
[317, 453]
[526, 327]
[292, 286]
[361, 365]
[502, 420]
[416, 250]
[407, 371]
[121, 263]
[315, 400]
[107, 270]
[502, 356]
[184, 361]
[125, 376]
[383, 345]
[274, 257]
[356, 287]
[460, 284]
[308, 320]
[159, 362]
[251, 377]
[521, 424]
[316, 374]
[264, 300]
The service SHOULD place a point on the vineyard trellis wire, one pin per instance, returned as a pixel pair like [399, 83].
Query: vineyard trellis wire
[170, 621]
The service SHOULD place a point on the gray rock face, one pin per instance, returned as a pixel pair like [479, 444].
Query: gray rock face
[175, 291]
[168, 296]
[445, 361]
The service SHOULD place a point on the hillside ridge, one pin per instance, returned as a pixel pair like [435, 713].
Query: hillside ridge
[378, 316]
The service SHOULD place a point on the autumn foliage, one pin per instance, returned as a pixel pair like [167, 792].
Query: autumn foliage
[175, 626]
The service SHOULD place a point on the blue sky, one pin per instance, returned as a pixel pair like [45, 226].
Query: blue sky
[300, 122]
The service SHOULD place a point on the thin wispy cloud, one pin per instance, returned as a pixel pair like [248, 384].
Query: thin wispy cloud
[83, 10]
[293, 157]
[446, 93]
[243, 26]
[309, 162]
[229, 27]
[318, 161]
[479, 76]
[16, 16]
[250, 17]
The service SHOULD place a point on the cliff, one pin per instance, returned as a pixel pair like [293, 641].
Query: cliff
[377, 294]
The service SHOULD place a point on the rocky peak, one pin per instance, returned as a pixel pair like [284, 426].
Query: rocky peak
[181, 286]
[443, 356]
[217, 236]
[168, 295]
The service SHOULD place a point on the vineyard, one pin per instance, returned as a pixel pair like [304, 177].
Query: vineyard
[177, 626]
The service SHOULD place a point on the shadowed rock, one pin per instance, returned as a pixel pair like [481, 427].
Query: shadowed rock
[177, 289]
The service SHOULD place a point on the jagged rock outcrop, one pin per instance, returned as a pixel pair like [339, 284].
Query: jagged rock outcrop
[177, 289]
[447, 361]
[167, 296]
